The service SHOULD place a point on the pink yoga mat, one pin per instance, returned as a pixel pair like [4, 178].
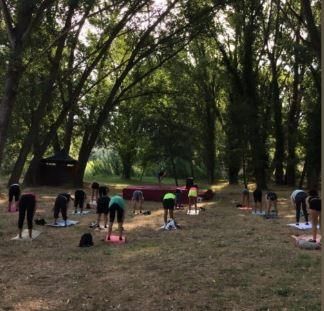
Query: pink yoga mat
[114, 239]
[245, 208]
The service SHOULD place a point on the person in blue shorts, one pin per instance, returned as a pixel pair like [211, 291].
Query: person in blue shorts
[137, 198]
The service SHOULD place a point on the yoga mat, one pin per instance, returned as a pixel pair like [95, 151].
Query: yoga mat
[193, 212]
[25, 235]
[245, 208]
[61, 223]
[306, 237]
[79, 213]
[258, 213]
[13, 208]
[114, 239]
[302, 226]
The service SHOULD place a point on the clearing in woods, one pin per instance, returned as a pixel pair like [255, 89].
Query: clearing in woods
[223, 259]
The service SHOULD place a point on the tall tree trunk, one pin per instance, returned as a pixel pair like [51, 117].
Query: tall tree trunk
[69, 131]
[174, 171]
[279, 133]
[13, 76]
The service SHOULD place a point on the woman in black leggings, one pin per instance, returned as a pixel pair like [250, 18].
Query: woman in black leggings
[27, 205]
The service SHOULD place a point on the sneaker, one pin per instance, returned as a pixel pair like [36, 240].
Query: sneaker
[312, 241]
[307, 223]
[297, 224]
[120, 238]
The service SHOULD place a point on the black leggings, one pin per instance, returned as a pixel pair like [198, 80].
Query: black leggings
[300, 201]
[112, 211]
[27, 204]
[14, 192]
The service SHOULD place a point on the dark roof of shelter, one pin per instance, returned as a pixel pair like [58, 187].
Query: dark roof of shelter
[60, 157]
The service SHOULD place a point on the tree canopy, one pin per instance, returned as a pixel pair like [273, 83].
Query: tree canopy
[209, 88]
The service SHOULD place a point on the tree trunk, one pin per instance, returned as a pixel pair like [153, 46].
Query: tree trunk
[11, 84]
[174, 171]
[69, 132]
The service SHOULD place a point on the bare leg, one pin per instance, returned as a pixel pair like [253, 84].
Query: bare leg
[120, 229]
[171, 213]
[106, 219]
[109, 230]
[165, 216]
[190, 202]
[195, 202]
[140, 205]
[98, 220]
[134, 206]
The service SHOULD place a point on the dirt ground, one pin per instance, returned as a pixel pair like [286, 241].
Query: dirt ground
[222, 259]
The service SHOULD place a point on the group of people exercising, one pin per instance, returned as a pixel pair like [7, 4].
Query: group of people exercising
[25, 204]
[299, 199]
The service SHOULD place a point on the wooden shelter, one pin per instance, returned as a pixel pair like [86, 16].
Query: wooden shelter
[57, 170]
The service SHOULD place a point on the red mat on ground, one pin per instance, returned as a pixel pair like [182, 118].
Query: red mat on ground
[156, 192]
[114, 239]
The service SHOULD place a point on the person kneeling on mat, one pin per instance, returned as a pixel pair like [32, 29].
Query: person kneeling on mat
[116, 204]
[61, 205]
[168, 205]
[27, 205]
[314, 203]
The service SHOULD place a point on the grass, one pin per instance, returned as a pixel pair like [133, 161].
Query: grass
[223, 259]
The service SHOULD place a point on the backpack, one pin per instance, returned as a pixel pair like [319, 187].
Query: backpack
[86, 240]
[40, 221]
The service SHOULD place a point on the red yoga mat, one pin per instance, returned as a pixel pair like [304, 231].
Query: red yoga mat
[114, 239]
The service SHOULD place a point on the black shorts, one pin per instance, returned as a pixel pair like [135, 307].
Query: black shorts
[300, 197]
[112, 212]
[103, 190]
[78, 202]
[61, 201]
[257, 195]
[271, 196]
[95, 185]
[14, 192]
[168, 204]
[315, 204]
[103, 205]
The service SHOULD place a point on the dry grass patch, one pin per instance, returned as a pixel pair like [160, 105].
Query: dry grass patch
[222, 259]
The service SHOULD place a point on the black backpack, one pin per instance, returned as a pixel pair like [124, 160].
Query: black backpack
[86, 240]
